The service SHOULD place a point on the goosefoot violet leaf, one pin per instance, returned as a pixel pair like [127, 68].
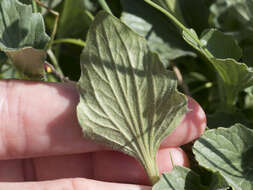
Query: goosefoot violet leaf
[23, 37]
[230, 152]
[128, 100]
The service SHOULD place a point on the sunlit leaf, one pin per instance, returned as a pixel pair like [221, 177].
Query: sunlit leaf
[128, 99]
[229, 151]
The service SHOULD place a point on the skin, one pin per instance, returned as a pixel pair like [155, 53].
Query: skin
[41, 143]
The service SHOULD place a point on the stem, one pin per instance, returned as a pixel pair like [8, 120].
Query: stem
[180, 78]
[56, 14]
[204, 51]
[70, 41]
[51, 69]
[54, 61]
[150, 166]
[104, 5]
[34, 6]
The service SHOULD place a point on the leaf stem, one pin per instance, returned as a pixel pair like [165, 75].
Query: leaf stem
[57, 15]
[77, 42]
[181, 27]
[54, 61]
[180, 78]
[150, 166]
[34, 6]
[104, 5]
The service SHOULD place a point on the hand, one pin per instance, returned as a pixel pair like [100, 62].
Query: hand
[40, 139]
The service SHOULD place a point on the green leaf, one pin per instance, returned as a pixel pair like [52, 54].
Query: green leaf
[233, 14]
[218, 182]
[229, 151]
[233, 76]
[23, 37]
[3, 57]
[173, 7]
[75, 20]
[129, 101]
[196, 14]
[220, 45]
[179, 179]
[161, 35]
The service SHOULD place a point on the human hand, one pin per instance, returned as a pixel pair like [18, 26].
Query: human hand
[40, 140]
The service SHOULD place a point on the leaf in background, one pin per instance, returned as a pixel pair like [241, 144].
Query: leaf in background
[129, 101]
[179, 179]
[3, 57]
[218, 182]
[229, 151]
[220, 45]
[74, 23]
[23, 37]
[196, 14]
[74, 20]
[233, 15]
[236, 16]
[224, 119]
[162, 36]
[173, 7]
[233, 76]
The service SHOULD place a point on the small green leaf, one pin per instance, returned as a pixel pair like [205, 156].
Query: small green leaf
[128, 100]
[191, 37]
[23, 37]
[220, 45]
[161, 35]
[179, 179]
[233, 76]
[74, 20]
[229, 151]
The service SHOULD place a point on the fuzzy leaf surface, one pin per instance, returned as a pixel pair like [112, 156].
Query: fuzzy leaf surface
[229, 151]
[22, 34]
[128, 99]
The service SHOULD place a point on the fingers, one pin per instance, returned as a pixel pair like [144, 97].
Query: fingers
[68, 166]
[118, 167]
[11, 171]
[106, 166]
[71, 184]
[39, 119]
[191, 127]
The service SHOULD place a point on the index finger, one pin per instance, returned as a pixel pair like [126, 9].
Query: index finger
[39, 119]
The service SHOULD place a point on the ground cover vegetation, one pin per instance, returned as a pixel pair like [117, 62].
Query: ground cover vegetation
[134, 62]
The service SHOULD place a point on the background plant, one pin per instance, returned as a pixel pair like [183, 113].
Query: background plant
[207, 43]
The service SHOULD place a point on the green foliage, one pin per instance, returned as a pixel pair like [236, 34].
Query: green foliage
[155, 29]
[129, 98]
[229, 151]
[120, 78]
[23, 37]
